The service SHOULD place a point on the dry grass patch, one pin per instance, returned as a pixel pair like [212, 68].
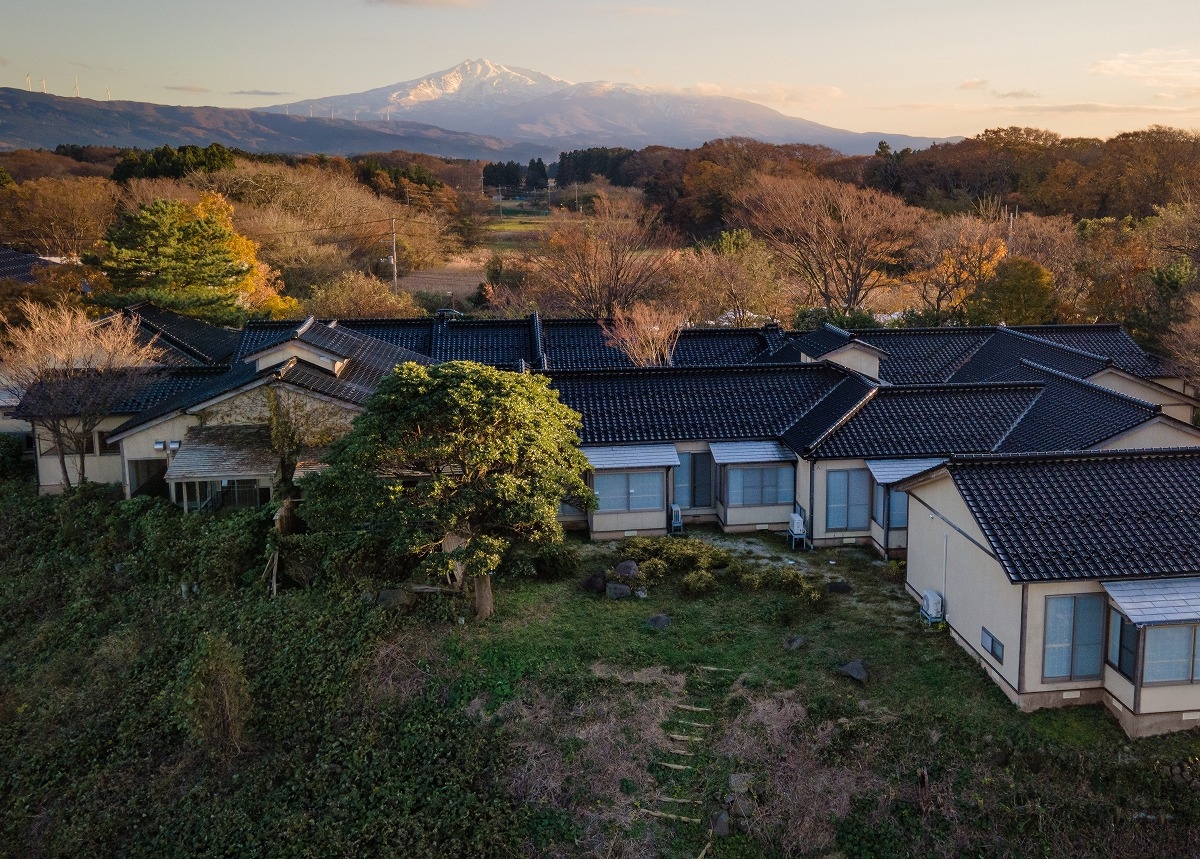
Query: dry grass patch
[799, 797]
[403, 663]
[589, 758]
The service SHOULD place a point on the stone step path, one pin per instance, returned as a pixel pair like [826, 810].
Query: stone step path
[679, 797]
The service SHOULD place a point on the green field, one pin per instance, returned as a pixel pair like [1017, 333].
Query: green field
[136, 721]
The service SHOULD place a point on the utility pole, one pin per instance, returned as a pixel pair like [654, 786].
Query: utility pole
[395, 275]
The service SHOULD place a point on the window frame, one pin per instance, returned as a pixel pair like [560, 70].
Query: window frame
[1073, 676]
[865, 505]
[687, 476]
[991, 645]
[660, 473]
[760, 469]
[1123, 625]
[1191, 679]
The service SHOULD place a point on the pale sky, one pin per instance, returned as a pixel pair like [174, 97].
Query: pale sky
[919, 67]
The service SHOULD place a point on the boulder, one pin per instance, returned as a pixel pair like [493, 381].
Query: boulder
[641, 593]
[855, 670]
[720, 824]
[593, 584]
[395, 599]
[740, 782]
[793, 642]
[659, 621]
[626, 571]
[615, 591]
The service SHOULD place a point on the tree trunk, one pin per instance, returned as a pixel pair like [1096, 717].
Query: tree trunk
[484, 604]
[62, 455]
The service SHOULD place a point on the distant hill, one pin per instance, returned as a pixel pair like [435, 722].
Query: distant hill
[39, 120]
[521, 105]
[497, 113]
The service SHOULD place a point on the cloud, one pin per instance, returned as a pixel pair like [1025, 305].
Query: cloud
[648, 11]
[188, 88]
[1048, 109]
[1158, 67]
[1017, 93]
[773, 94]
[431, 3]
[264, 92]
[973, 83]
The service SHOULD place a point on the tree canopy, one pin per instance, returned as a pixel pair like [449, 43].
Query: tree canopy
[455, 465]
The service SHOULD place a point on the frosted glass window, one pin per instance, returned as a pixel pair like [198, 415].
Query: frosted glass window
[848, 500]
[1074, 637]
[1169, 656]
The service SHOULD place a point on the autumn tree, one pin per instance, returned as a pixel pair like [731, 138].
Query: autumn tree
[645, 333]
[844, 243]
[733, 281]
[952, 257]
[355, 295]
[67, 285]
[70, 372]
[457, 456]
[598, 264]
[1021, 292]
[57, 217]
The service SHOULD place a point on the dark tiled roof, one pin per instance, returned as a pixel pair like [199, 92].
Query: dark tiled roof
[719, 347]
[200, 342]
[20, 267]
[1006, 349]
[413, 334]
[923, 356]
[821, 341]
[141, 394]
[675, 404]
[578, 344]
[1111, 341]
[1070, 413]
[503, 343]
[206, 383]
[1105, 515]
[834, 407]
[257, 336]
[930, 421]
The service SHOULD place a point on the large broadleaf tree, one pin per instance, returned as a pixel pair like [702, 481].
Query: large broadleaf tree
[454, 465]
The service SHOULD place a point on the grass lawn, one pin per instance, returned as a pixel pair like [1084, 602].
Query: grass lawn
[926, 758]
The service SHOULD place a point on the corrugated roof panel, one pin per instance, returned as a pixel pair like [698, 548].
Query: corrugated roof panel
[889, 471]
[726, 452]
[632, 456]
[1157, 601]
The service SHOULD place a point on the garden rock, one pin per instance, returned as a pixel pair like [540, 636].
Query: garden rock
[615, 591]
[720, 824]
[740, 782]
[840, 587]
[659, 621]
[626, 571]
[855, 670]
[641, 593]
[794, 642]
[394, 599]
[593, 584]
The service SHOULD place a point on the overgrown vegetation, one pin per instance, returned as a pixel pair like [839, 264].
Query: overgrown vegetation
[155, 701]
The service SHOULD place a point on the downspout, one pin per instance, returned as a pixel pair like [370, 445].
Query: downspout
[812, 495]
[1024, 642]
[887, 521]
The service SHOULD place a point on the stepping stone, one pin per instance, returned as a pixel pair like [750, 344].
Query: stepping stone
[659, 621]
[855, 670]
[675, 766]
[668, 816]
[692, 709]
[685, 738]
[794, 642]
[839, 587]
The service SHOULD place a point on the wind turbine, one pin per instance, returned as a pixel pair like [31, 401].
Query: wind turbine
[43, 83]
[76, 86]
[28, 82]
[107, 93]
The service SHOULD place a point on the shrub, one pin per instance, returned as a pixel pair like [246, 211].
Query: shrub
[559, 561]
[216, 706]
[653, 570]
[699, 582]
[11, 449]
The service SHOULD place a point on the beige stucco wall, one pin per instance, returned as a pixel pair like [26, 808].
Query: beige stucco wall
[1170, 699]
[1154, 434]
[1175, 407]
[140, 444]
[292, 349]
[854, 357]
[97, 468]
[975, 591]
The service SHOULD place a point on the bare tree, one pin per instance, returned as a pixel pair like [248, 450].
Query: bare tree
[952, 257]
[646, 333]
[844, 242]
[1183, 342]
[57, 217]
[603, 263]
[70, 372]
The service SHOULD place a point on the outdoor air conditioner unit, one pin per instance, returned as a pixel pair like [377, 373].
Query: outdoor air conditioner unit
[931, 607]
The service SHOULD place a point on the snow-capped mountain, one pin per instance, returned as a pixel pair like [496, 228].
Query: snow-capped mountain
[521, 105]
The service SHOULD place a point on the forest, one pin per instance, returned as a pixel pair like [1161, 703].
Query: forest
[1012, 226]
